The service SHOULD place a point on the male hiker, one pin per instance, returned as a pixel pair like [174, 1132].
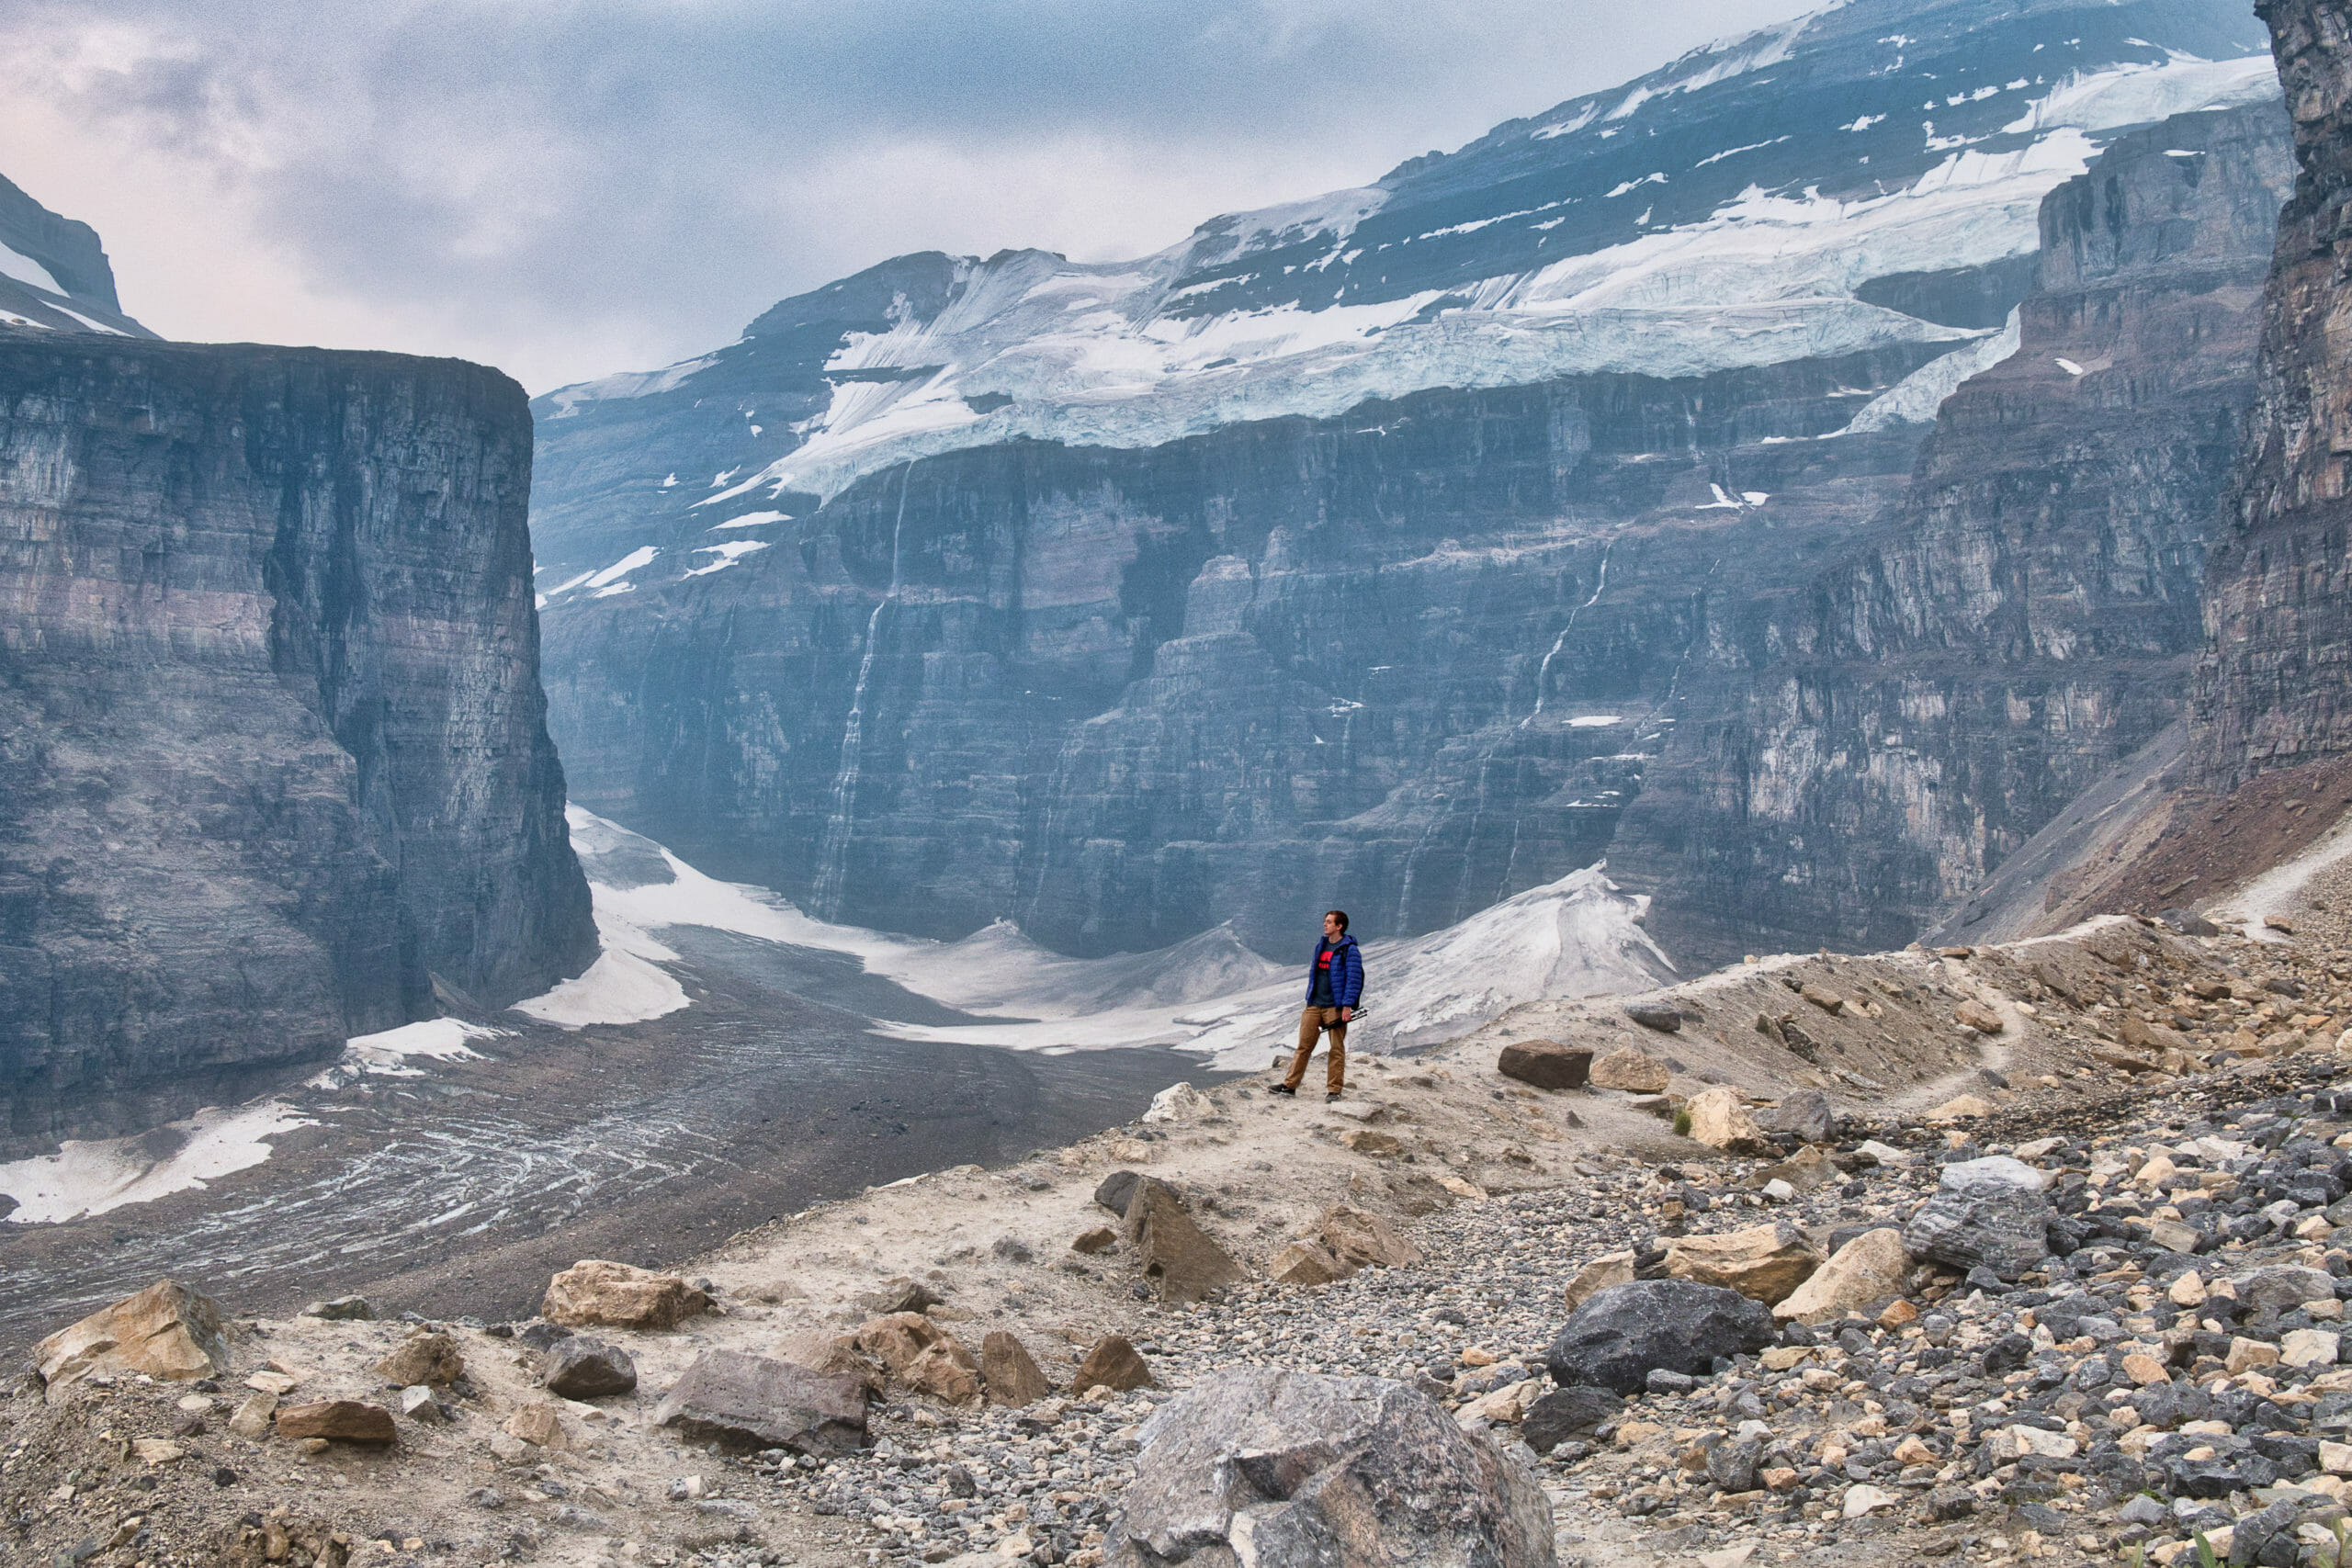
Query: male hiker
[1334, 985]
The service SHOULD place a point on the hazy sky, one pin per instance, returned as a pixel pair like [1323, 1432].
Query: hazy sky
[569, 188]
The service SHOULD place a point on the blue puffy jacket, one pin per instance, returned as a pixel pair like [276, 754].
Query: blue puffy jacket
[1347, 971]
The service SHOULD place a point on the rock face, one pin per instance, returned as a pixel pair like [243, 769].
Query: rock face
[273, 762]
[747, 1403]
[1623, 1333]
[1272, 1466]
[167, 1331]
[2271, 691]
[1690, 620]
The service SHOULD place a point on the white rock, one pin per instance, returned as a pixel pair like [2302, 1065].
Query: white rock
[1861, 1498]
[1883, 1153]
[2309, 1348]
[1993, 1173]
[2048, 1445]
[1177, 1101]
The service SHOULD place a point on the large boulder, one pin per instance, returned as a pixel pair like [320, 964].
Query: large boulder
[1867, 1270]
[1362, 1238]
[1270, 1466]
[1975, 1219]
[1632, 1069]
[1546, 1063]
[168, 1331]
[1625, 1332]
[1763, 1263]
[599, 1294]
[745, 1403]
[1178, 1255]
[1720, 1120]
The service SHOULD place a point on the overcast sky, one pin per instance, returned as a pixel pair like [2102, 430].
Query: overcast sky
[569, 188]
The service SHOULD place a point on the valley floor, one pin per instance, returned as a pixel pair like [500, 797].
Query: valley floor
[1868, 1448]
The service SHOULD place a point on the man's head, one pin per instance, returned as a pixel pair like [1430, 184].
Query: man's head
[1334, 924]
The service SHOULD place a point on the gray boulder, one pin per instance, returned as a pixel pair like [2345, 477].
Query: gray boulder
[743, 1403]
[1184, 1262]
[1117, 1189]
[1624, 1332]
[1268, 1466]
[581, 1368]
[1982, 1224]
[1806, 1113]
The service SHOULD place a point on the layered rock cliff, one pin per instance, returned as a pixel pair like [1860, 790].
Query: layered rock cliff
[2275, 689]
[273, 757]
[1455, 642]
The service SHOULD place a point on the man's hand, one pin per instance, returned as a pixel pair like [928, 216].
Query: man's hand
[1346, 1014]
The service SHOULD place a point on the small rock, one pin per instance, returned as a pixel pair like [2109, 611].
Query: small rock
[1114, 1363]
[342, 1309]
[1371, 1144]
[1868, 1268]
[422, 1358]
[1960, 1106]
[1719, 1118]
[1178, 1102]
[1187, 1265]
[537, 1425]
[1826, 1000]
[600, 1294]
[1608, 1269]
[1013, 1376]
[1362, 1238]
[582, 1367]
[1978, 1017]
[1633, 1070]
[1863, 1498]
[1566, 1412]
[157, 1450]
[1764, 1263]
[342, 1420]
[417, 1403]
[1661, 1016]
[252, 1419]
[1102, 1238]
[1546, 1063]
[1116, 1190]
[1805, 1114]
[1306, 1263]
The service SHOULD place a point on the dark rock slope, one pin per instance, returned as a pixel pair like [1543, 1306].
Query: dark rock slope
[273, 757]
[2277, 687]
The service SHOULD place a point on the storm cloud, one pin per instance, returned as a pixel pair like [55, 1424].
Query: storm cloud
[570, 188]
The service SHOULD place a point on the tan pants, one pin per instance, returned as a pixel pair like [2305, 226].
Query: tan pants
[1335, 1066]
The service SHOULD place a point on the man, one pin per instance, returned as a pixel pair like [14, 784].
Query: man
[1334, 986]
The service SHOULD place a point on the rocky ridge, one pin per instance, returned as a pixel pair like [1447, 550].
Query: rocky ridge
[2159, 1363]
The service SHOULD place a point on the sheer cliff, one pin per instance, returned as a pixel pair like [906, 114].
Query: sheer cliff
[2275, 689]
[273, 753]
[1612, 550]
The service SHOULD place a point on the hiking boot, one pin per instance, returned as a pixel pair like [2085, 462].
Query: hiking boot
[1330, 1097]
[1281, 1089]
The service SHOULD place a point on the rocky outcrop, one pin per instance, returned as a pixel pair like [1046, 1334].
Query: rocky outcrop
[273, 762]
[2276, 687]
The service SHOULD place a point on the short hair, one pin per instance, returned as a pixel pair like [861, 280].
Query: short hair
[1338, 915]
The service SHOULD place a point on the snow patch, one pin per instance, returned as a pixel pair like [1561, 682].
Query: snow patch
[24, 269]
[728, 554]
[752, 520]
[385, 1055]
[638, 557]
[2139, 95]
[97, 1177]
